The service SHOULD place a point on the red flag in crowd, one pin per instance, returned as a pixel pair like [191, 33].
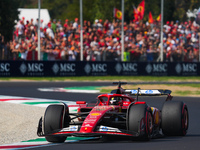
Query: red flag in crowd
[117, 14]
[140, 9]
[150, 18]
[159, 18]
[135, 13]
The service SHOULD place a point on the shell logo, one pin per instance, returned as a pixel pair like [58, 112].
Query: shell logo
[95, 114]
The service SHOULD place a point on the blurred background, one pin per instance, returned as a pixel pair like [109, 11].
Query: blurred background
[102, 23]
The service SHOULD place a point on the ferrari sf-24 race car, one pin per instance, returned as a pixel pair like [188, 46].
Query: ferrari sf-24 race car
[116, 114]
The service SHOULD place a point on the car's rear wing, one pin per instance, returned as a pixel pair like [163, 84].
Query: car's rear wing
[148, 92]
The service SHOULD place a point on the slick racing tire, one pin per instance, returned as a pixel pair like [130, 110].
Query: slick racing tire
[175, 118]
[53, 119]
[140, 120]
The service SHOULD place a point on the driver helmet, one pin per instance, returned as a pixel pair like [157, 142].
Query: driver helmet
[115, 100]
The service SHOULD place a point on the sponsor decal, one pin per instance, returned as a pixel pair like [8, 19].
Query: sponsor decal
[178, 68]
[148, 68]
[134, 91]
[5, 69]
[157, 68]
[149, 92]
[87, 68]
[144, 92]
[63, 69]
[55, 68]
[71, 128]
[104, 128]
[88, 125]
[186, 68]
[89, 120]
[92, 117]
[118, 68]
[130, 67]
[23, 68]
[127, 68]
[101, 108]
[95, 114]
[74, 128]
[32, 69]
[108, 129]
[96, 68]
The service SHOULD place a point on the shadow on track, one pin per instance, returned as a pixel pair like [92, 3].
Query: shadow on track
[127, 140]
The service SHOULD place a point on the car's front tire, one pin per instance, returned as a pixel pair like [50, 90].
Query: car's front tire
[53, 119]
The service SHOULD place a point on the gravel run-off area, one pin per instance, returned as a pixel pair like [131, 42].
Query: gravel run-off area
[18, 122]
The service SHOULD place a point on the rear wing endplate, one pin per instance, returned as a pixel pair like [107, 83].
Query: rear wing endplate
[148, 92]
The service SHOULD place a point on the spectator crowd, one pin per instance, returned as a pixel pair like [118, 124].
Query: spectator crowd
[102, 41]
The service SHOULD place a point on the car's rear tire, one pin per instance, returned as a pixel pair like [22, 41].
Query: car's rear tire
[140, 120]
[175, 118]
[53, 119]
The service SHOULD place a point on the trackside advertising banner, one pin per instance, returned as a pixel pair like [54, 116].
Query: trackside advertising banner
[67, 68]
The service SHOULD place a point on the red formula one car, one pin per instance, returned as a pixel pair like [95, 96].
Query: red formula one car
[116, 114]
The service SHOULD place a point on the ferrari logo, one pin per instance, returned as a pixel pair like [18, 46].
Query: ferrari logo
[119, 14]
[140, 8]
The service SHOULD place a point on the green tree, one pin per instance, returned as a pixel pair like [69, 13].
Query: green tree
[102, 9]
[8, 15]
[57, 9]
[183, 7]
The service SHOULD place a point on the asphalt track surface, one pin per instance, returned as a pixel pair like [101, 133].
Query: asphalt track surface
[189, 142]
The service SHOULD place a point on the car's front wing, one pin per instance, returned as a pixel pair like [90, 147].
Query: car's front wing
[100, 131]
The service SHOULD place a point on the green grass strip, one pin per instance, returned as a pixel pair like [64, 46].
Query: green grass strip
[196, 85]
[36, 103]
[36, 140]
[187, 93]
[105, 91]
[68, 138]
